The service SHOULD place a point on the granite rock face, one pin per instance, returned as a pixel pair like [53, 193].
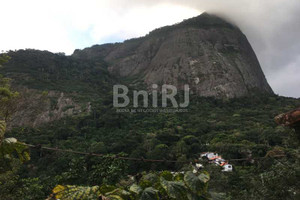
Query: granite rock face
[209, 54]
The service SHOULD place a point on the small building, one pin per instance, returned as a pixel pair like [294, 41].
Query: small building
[199, 166]
[217, 160]
[227, 168]
[210, 155]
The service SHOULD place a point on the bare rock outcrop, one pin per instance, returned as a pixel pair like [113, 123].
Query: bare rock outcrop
[211, 55]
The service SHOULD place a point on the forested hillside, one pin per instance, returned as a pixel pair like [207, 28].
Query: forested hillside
[62, 138]
[237, 128]
[52, 86]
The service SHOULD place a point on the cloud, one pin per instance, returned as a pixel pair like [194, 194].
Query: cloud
[24, 25]
[272, 27]
[138, 21]
[65, 25]
[286, 80]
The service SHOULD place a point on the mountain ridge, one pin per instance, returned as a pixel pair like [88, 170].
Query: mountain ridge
[211, 55]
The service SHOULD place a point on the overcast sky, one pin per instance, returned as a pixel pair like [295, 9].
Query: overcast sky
[272, 27]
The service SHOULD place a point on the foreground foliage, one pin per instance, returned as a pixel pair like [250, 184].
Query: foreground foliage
[8, 146]
[152, 186]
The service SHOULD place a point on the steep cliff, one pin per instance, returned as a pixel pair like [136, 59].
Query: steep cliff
[211, 55]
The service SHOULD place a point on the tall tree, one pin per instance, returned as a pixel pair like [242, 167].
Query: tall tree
[8, 98]
[8, 146]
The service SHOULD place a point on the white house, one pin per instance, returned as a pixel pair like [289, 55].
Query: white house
[227, 168]
[210, 155]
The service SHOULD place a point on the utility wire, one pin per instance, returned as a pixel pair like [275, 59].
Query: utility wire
[103, 155]
[135, 159]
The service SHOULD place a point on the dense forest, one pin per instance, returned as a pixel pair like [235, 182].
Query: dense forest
[264, 155]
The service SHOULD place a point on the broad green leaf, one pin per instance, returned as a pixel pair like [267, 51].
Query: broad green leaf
[114, 197]
[70, 192]
[116, 191]
[145, 183]
[10, 140]
[106, 188]
[58, 189]
[179, 177]
[204, 177]
[149, 194]
[151, 177]
[192, 196]
[167, 175]
[174, 189]
[193, 182]
[135, 189]
[11, 145]
[217, 196]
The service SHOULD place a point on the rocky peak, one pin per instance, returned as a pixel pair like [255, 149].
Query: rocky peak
[211, 55]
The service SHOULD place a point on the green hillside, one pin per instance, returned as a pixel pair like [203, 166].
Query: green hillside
[241, 128]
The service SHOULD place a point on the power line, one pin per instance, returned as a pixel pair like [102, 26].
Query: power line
[256, 158]
[104, 155]
[135, 159]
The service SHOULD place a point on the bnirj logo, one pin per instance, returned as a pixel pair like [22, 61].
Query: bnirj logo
[168, 94]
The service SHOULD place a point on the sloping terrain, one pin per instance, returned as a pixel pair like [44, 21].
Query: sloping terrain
[211, 55]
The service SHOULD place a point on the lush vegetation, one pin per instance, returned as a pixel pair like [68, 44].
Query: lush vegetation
[236, 128]
[45, 71]
[164, 185]
[11, 150]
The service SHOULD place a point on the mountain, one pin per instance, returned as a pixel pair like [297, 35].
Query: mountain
[77, 137]
[211, 55]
